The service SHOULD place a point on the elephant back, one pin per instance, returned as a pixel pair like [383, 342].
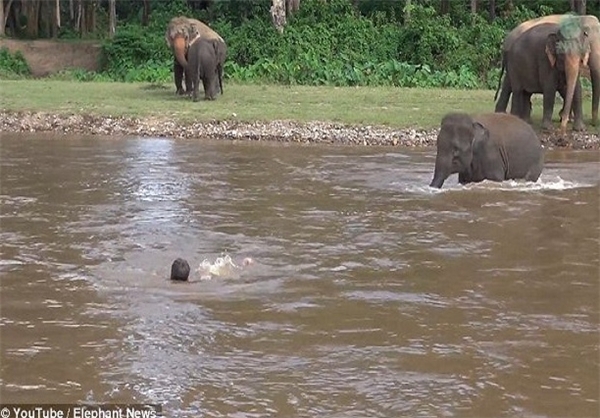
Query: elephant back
[517, 141]
[201, 29]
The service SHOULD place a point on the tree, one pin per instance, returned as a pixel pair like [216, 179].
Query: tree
[474, 6]
[112, 18]
[146, 13]
[492, 10]
[280, 10]
[278, 15]
[445, 7]
[407, 8]
[578, 6]
[31, 11]
[4, 16]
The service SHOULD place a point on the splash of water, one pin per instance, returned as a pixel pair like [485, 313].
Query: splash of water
[544, 183]
[223, 266]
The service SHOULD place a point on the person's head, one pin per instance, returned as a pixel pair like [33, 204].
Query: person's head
[180, 270]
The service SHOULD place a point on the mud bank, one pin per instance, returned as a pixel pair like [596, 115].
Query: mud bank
[282, 131]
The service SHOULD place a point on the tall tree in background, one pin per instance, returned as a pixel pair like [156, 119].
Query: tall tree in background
[407, 8]
[2, 18]
[112, 18]
[445, 7]
[146, 13]
[280, 10]
[474, 6]
[578, 6]
[31, 11]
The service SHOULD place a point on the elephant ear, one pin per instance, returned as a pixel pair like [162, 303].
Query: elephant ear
[551, 42]
[481, 135]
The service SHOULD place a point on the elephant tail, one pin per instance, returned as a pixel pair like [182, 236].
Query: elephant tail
[500, 78]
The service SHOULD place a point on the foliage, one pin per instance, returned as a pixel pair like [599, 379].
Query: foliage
[135, 54]
[12, 65]
[333, 42]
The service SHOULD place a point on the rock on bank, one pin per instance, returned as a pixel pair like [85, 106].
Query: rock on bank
[282, 131]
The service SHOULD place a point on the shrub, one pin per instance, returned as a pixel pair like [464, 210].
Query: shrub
[13, 65]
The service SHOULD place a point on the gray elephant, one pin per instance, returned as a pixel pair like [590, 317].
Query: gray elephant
[205, 62]
[181, 32]
[493, 146]
[569, 42]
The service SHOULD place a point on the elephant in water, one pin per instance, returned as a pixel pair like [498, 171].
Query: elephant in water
[493, 146]
[181, 32]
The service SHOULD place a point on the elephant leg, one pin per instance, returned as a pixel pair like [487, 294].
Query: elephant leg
[518, 104]
[189, 82]
[578, 124]
[502, 102]
[549, 98]
[220, 73]
[208, 83]
[195, 76]
[526, 107]
[178, 75]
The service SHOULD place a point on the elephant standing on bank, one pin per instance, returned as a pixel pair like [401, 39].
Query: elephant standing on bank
[493, 146]
[181, 32]
[205, 62]
[568, 29]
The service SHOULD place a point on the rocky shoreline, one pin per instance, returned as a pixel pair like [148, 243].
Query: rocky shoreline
[281, 131]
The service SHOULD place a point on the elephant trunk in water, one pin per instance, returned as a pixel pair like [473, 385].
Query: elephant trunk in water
[442, 170]
[179, 48]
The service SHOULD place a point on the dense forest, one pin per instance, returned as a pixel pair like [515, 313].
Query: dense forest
[441, 43]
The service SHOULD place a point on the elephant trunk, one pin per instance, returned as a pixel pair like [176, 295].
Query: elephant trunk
[572, 75]
[441, 172]
[594, 64]
[179, 48]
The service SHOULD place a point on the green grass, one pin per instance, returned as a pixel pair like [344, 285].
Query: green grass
[395, 107]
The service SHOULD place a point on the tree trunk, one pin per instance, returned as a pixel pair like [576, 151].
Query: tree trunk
[492, 10]
[509, 7]
[31, 9]
[112, 18]
[407, 8]
[474, 6]
[79, 16]
[2, 19]
[578, 6]
[88, 18]
[445, 7]
[292, 6]
[57, 20]
[45, 19]
[278, 15]
[72, 13]
[146, 13]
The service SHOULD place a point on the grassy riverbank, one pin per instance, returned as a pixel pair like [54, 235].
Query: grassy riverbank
[393, 107]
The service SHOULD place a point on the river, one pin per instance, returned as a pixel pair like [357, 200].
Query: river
[370, 295]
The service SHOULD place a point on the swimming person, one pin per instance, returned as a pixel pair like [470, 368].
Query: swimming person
[180, 270]
[222, 266]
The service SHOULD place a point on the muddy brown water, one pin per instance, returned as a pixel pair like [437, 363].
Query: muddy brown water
[371, 294]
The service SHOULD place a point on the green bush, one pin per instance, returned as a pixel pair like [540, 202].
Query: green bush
[135, 54]
[13, 65]
[330, 43]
